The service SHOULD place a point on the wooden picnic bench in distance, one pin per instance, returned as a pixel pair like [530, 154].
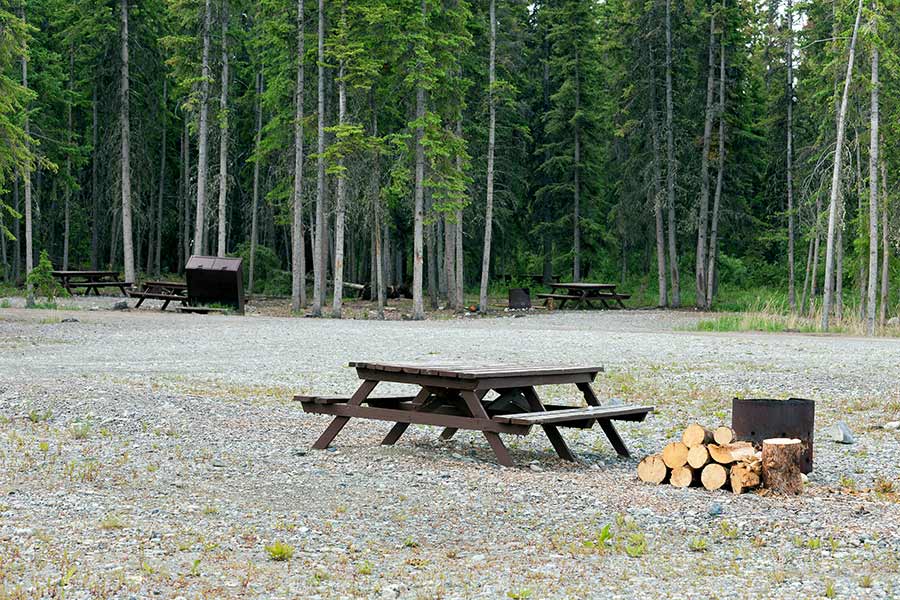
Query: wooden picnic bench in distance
[584, 293]
[167, 291]
[91, 281]
[453, 397]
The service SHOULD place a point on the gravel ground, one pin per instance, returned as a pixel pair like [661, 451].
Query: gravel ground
[148, 455]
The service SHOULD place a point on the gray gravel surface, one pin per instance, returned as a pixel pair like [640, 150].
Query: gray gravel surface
[148, 455]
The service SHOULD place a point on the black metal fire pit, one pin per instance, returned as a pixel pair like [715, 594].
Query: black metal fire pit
[756, 420]
[519, 298]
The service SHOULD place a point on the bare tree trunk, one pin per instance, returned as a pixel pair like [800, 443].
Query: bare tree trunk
[157, 258]
[298, 241]
[26, 181]
[127, 240]
[836, 178]
[885, 248]
[789, 57]
[375, 184]
[458, 232]
[431, 243]
[449, 260]
[656, 192]
[186, 224]
[873, 190]
[489, 205]
[68, 190]
[720, 176]
[670, 163]
[340, 198]
[319, 242]
[863, 274]
[419, 197]
[254, 207]
[203, 139]
[814, 281]
[806, 278]
[17, 247]
[703, 216]
[221, 247]
[95, 197]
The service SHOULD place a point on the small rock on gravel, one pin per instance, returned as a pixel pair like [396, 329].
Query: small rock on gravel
[841, 433]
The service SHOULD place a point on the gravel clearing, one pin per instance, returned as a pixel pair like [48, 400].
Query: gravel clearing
[149, 455]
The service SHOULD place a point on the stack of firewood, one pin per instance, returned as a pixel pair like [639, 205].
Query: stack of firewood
[715, 460]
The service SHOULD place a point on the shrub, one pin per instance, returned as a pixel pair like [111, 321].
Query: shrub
[280, 551]
[44, 283]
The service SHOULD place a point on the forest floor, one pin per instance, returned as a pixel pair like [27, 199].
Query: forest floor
[156, 455]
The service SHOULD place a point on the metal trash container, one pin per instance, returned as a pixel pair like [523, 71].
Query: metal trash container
[519, 298]
[756, 420]
[215, 280]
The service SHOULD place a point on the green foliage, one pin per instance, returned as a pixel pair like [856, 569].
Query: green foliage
[43, 282]
[280, 551]
[269, 278]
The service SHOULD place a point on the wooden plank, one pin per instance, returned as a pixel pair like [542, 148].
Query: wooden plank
[459, 371]
[561, 416]
[416, 417]
[345, 399]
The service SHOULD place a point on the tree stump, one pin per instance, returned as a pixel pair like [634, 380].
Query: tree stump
[652, 469]
[781, 465]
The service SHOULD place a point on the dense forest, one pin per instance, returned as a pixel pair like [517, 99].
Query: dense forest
[680, 146]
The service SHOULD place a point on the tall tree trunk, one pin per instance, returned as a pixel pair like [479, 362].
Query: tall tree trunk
[419, 195]
[885, 248]
[458, 233]
[789, 57]
[656, 192]
[203, 138]
[319, 249]
[298, 241]
[873, 189]
[703, 214]
[431, 243]
[720, 176]
[186, 225]
[861, 233]
[814, 279]
[162, 184]
[17, 247]
[68, 190]
[839, 266]
[221, 247]
[806, 277]
[670, 163]
[95, 196]
[836, 178]
[26, 181]
[449, 260]
[340, 197]
[127, 240]
[254, 206]
[489, 203]
[375, 191]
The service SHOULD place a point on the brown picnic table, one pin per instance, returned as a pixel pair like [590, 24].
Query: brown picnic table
[583, 293]
[91, 281]
[167, 291]
[453, 396]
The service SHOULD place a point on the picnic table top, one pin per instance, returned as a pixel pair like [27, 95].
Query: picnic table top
[85, 273]
[468, 371]
[581, 285]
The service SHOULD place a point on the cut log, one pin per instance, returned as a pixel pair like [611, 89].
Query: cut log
[682, 477]
[731, 452]
[696, 435]
[675, 455]
[744, 477]
[697, 457]
[713, 476]
[652, 469]
[723, 435]
[781, 465]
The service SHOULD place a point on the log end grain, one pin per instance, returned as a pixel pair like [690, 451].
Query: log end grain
[723, 435]
[675, 455]
[713, 476]
[652, 469]
[696, 435]
[682, 477]
[697, 457]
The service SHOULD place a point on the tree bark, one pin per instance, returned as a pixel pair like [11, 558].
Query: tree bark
[157, 256]
[419, 196]
[458, 232]
[489, 205]
[861, 233]
[127, 240]
[221, 247]
[670, 163]
[789, 57]
[873, 190]
[319, 242]
[254, 207]
[720, 176]
[703, 215]
[186, 198]
[298, 241]
[340, 197]
[657, 194]
[836, 178]
[885, 248]
[203, 138]
[576, 216]
[95, 197]
[377, 226]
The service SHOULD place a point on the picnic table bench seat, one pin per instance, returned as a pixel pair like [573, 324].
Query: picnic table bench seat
[455, 397]
[167, 291]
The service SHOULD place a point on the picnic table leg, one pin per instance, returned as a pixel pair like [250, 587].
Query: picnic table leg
[552, 431]
[473, 402]
[400, 428]
[338, 423]
[449, 432]
[605, 424]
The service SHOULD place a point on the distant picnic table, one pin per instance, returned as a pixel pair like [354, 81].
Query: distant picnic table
[452, 396]
[582, 293]
[91, 281]
[167, 291]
